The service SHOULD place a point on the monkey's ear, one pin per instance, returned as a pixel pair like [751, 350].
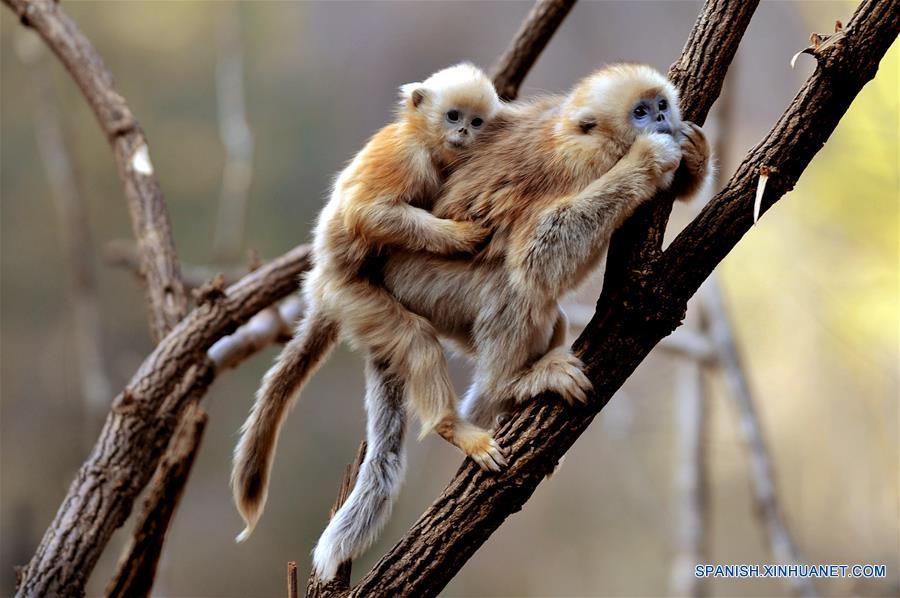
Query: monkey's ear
[586, 123]
[585, 120]
[414, 93]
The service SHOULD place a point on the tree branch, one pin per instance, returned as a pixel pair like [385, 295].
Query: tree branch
[534, 34]
[316, 588]
[166, 298]
[762, 477]
[476, 503]
[137, 569]
[140, 425]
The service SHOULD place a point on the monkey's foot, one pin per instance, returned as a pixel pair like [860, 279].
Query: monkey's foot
[477, 443]
[558, 371]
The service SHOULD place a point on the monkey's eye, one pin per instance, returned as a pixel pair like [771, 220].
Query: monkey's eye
[640, 112]
[453, 115]
[663, 104]
[477, 122]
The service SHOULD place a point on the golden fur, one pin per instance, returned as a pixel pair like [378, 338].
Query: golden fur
[379, 202]
[552, 178]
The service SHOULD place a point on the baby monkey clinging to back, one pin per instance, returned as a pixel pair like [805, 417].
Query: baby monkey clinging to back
[379, 202]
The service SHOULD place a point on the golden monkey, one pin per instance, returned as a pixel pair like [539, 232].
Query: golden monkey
[379, 203]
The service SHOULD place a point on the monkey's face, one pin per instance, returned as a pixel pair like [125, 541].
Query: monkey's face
[615, 105]
[460, 125]
[654, 115]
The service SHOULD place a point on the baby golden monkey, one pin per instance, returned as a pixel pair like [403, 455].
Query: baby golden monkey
[379, 203]
[553, 179]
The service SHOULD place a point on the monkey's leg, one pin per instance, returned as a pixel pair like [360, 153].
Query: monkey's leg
[557, 371]
[409, 344]
[504, 346]
[359, 520]
[315, 338]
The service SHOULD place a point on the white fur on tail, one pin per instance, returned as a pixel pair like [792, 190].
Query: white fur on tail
[356, 524]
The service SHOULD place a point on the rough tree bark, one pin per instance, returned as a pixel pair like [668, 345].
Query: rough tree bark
[159, 263]
[136, 571]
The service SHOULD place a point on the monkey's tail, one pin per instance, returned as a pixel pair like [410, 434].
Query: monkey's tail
[359, 520]
[316, 335]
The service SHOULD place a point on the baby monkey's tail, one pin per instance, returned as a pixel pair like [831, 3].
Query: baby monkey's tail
[359, 520]
[316, 335]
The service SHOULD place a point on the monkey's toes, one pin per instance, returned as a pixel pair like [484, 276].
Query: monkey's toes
[490, 458]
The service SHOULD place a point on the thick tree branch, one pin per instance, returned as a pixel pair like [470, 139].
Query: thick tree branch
[166, 299]
[136, 571]
[142, 421]
[534, 34]
[476, 503]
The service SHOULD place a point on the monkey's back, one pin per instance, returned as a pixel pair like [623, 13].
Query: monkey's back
[392, 166]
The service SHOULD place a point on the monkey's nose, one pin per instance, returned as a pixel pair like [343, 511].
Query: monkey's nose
[463, 131]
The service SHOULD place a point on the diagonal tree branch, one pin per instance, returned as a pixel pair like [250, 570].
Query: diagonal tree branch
[140, 425]
[135, 573]
[475, 503]
[539, 26]
[166, 298]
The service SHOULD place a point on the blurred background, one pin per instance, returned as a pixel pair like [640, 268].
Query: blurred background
[811, 294]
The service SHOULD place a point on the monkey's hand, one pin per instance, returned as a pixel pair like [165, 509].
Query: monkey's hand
[460, 237]
[659, 154]
[695, 165]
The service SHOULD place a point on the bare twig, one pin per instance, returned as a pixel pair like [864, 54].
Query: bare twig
[166, 298]
[316, 588]
[534, 34]
[690, 474]
[74, 229]
[762, 478]
[136, 570]
[274, 324]
[236, 137]
[293, 587]
[638, 309]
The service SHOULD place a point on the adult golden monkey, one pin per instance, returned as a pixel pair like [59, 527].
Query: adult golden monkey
[552, 178]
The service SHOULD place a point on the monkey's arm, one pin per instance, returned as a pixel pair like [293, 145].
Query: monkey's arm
[390, 222]
[569, 237]
[696, 169]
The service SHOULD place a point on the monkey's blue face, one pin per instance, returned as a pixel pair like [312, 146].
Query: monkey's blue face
[653, 115]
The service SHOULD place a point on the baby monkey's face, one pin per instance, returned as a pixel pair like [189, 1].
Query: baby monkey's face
[461, 125]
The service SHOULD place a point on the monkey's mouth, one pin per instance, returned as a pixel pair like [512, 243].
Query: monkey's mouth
[456, 144]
